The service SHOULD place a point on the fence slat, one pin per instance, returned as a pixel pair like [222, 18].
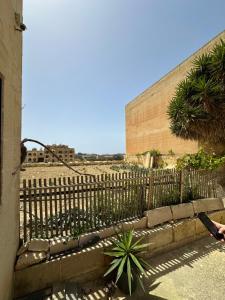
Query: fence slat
[24, 208]
[73, 205]
[41, 208]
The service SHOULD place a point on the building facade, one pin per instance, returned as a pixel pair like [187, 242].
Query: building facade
[10, 101]
[147, 124]
[43, 155]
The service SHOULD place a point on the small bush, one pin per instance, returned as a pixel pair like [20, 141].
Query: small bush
[200, 160]
[115, 168]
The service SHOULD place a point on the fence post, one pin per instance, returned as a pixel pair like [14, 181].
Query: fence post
[24, 203]
[181, 185]
[150, 190]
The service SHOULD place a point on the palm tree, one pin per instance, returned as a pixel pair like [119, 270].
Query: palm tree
[197, 111]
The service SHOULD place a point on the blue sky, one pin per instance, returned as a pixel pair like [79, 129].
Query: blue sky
[84, 60]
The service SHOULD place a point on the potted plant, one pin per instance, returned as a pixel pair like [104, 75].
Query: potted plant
[127, 264]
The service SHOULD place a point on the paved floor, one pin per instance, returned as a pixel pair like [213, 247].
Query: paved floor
[193, 272]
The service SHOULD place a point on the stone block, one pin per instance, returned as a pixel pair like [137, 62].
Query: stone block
[141, 223]
[181, 211]
[106, 232]
[223, 201]
[222, 216]
[136, 224]
[158, 216]
[88, 239]
[38, 245]
[22, 249]
[30, 258]
[82, 262]
[184, 229]
[170, 247]
[36, 277]
[209, 204]
[159, 237]
[200, 228]
[216, 216]
[59, 245]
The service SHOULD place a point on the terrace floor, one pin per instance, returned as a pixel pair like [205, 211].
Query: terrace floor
[193, 272]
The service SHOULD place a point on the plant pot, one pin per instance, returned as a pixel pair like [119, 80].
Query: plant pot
[122, 283]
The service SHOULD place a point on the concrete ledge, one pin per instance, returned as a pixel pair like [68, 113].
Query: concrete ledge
[82, 262]
[182, 211]
[36, 277]
[200, 228]
[39, 245]
[91, 263]
[209, 204]
[184, 229]
[136, 224]
[106, 232]
[217, 216]
[59, 245]
[160, 237]
[158, 216]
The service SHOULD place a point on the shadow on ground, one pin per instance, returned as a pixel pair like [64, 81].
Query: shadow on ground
[194, 271]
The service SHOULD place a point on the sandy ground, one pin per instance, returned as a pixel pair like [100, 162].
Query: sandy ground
[62, 171]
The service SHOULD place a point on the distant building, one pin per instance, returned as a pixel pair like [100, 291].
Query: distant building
[99, 157]
[43, 155]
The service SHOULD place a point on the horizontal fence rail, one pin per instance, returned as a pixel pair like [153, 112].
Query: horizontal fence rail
[74, 205]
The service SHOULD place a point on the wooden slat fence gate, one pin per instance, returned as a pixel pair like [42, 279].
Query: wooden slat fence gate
[74, 205]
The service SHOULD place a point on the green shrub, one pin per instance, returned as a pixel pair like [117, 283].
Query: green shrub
[115, 168]
[173, 196]
[200, 160]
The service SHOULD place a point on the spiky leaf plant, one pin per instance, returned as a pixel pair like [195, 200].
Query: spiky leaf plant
[127, 258]
[197, 111]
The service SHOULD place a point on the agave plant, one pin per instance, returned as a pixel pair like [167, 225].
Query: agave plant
[127, 262]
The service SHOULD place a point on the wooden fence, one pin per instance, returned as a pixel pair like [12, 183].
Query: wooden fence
[73, 205]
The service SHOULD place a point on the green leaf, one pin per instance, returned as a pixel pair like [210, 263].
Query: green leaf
[117, 249]
[120, 269]
[137, 242]
[129, 274]
[116, 254]
[137, 263]
[129, 238]
[144, 263]
[137, 247]
[113, 266]
[141, 284]
[120, 244]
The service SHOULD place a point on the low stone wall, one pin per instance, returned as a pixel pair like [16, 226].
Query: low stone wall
[148, 161]
[164, 228]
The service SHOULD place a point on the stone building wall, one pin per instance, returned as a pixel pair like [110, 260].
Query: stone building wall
[64, 152]
[43, 155]
[147, 124]
[11, 78]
